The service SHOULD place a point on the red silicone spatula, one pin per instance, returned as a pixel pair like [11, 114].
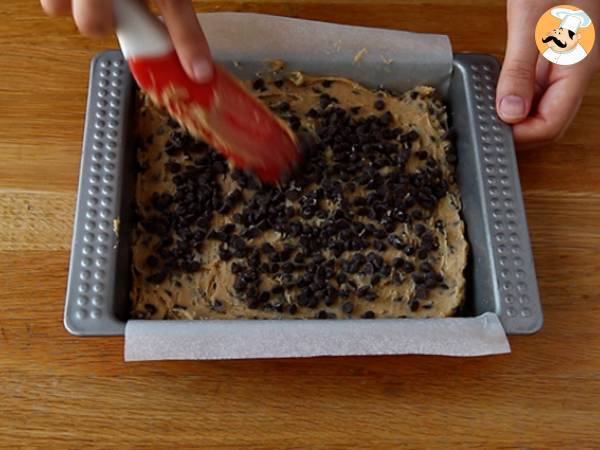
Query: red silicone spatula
[221, 112]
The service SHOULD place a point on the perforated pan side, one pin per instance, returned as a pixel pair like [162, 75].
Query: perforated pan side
[98, 284]
[503, 276]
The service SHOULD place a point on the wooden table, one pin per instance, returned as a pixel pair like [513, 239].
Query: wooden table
[61, 391]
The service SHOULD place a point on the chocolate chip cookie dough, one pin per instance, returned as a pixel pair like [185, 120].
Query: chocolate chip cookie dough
[367, 227]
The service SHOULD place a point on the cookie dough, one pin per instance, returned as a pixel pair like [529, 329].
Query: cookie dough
[368, 226]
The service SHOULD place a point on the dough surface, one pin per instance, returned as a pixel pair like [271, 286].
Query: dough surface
[368, 226]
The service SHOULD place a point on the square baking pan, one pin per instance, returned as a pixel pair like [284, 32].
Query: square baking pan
[500, 273]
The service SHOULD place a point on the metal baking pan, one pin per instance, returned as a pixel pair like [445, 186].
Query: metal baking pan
[500, 274]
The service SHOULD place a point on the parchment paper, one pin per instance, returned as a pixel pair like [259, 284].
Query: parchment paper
[243, 339]
[398, 60]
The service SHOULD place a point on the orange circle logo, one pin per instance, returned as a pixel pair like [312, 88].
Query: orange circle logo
[564, 35]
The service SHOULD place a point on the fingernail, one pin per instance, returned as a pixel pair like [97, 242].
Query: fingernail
[202, 70]
[512, 107]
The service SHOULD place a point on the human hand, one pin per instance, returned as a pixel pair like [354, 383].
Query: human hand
[538, 97]
[95, 18]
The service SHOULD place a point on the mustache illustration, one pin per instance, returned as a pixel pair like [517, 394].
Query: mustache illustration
[556, 41]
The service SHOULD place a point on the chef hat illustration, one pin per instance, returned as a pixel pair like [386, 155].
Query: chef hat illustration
[571, 19]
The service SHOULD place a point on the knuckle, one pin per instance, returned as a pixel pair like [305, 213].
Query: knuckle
[552, 135]
[519, 70]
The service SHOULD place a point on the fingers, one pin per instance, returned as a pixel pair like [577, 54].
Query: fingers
[188, 38]
[556, 108]
[56, 7]
[516, 84]
[93, 17]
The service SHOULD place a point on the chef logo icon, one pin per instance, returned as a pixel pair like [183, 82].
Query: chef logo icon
[564, 35]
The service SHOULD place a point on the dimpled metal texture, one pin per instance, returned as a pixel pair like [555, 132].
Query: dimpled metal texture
[511, 289]
[501, 275]
[89, 308]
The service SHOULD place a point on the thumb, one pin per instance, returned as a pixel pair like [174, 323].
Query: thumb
[515, 89]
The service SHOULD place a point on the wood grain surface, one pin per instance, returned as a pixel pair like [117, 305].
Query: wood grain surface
[59, 391]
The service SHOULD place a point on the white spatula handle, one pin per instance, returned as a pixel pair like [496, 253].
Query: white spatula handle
[139, 32]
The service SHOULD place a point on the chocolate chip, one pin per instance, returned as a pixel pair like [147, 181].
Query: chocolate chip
[370, 296]
[239, 284]
[258, 84]
[352, 268]
[421, 155]
[379, 233]
[426, 267]
[379, 104]
[312, 113]
[375, 259]
[409, 250]
[418, 277]
[347, 307]
[368, 315]
[398, 262]
[217, 235]
[326, 83]
[264, 296]
[359, 259]
[409, 267]
[267, 248]
[412, 136]
[238, 243]
[379, 245]
[396, 241]
[173, 167]
[420, 229]
[386, 119]
[420, 293]
[161, 201]
[157, 278]
[341, 277]
[414, 305]
[224, 254]
[228, 228]
[398, 278]
[324, 100]
[192, 266]
[294, 122]
[152, 261]
[329, 301]
[217, 305]
[322, 315]
[430, 280]
[293, 194]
